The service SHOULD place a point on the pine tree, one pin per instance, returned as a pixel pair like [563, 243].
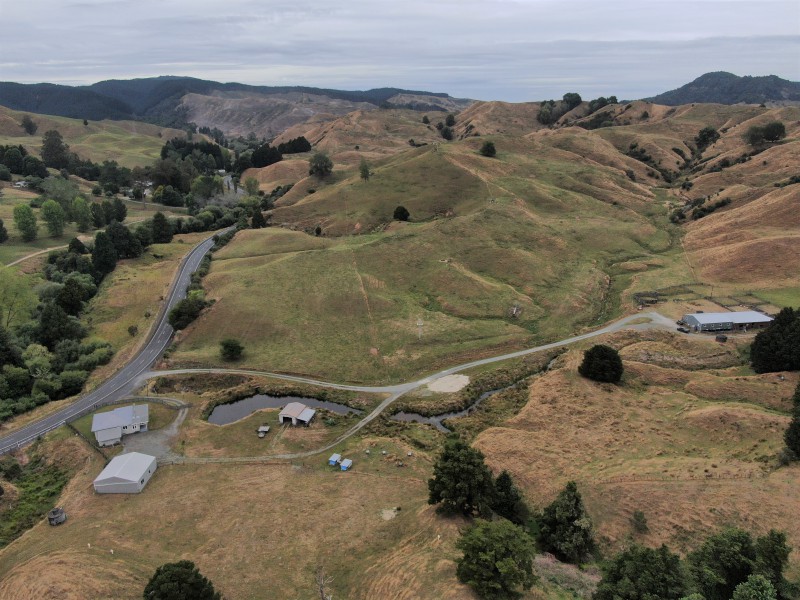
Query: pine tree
[461, 482]
[3, 232]
[258, 221]
[508, 501]
[364, 169]
[104, 255]
[162, 229]
[565, 528]
[792, 435]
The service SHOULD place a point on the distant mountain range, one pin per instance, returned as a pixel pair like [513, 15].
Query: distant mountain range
[159, 99]
[239, 109]
[726, 88]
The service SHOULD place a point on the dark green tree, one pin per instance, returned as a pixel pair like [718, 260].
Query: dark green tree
[772, 558]
[572, 100]
[401, 214]
[774, 131]
[320, 165]
[14, 160]
[497, 561]
[98, 215]
[640, 573]
[120, 210]
[601, 363]
[25, 220]
[3, 232]
[33, 167]
[70, 297]
[792, 434]
[426, 120]
[777, 348]
[231, 349]
[125, 242]
[9, 351]
[258, 221]
[723, 562]
[461, 482]
[186, 311]
[104, 255]
[179, 581]
[56, 325]
[508, 501]
[565, 528]
[162, 229]
[447, 133]
[54, 218]
[77, 246]
[705, 137]
[488, 149]
[55, 153]
[28, 125]
[450, 120]
[363, 169]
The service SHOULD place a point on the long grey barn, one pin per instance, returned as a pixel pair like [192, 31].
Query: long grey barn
[126, 474]
[745, 320]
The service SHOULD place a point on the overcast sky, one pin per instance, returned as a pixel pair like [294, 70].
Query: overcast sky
[513, 50]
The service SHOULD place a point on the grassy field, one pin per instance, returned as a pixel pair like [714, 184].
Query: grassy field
[542, 244]
[130, 143]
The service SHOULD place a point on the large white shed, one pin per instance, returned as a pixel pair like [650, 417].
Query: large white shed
[126, 474]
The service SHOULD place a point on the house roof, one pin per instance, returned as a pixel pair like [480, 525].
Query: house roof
[126, 468]
[739, 317]
[119, 417]
[346, 463]
[335, 458]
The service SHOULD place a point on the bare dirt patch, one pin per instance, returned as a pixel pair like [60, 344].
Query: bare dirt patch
[449, 383]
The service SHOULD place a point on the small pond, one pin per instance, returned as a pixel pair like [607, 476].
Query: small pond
[436, 420]
[228, 413]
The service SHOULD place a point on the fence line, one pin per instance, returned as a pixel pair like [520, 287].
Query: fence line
[667, 478]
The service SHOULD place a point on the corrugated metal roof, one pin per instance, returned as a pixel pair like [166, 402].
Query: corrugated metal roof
[119, 417]
[739, 317]
[307, 415]
[293, 410]
[346, 463]
[126, 467]
[335, 458]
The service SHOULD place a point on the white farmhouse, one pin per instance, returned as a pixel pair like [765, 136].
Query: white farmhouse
[109, 427]
[126, 474]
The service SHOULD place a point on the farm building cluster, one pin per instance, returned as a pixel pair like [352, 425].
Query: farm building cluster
[746, 320]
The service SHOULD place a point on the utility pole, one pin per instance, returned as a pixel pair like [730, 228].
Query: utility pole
[420, 323]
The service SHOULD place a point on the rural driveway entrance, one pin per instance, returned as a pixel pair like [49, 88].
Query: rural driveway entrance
[159, 442]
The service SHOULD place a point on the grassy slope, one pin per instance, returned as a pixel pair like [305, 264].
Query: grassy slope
[130, 143]
[534, 228]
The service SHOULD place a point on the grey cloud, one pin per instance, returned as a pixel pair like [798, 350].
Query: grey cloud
[488, 49]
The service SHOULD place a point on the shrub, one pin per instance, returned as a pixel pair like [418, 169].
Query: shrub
[231, 349]
[601, 363]
[401, 214]
[179, 581]
[488, 149]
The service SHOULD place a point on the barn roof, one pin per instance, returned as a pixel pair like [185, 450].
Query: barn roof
[128, 467]
[739, 317]
[293, 410]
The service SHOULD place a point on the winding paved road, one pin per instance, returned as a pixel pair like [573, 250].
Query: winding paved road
[137, 371]
[123, 382]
